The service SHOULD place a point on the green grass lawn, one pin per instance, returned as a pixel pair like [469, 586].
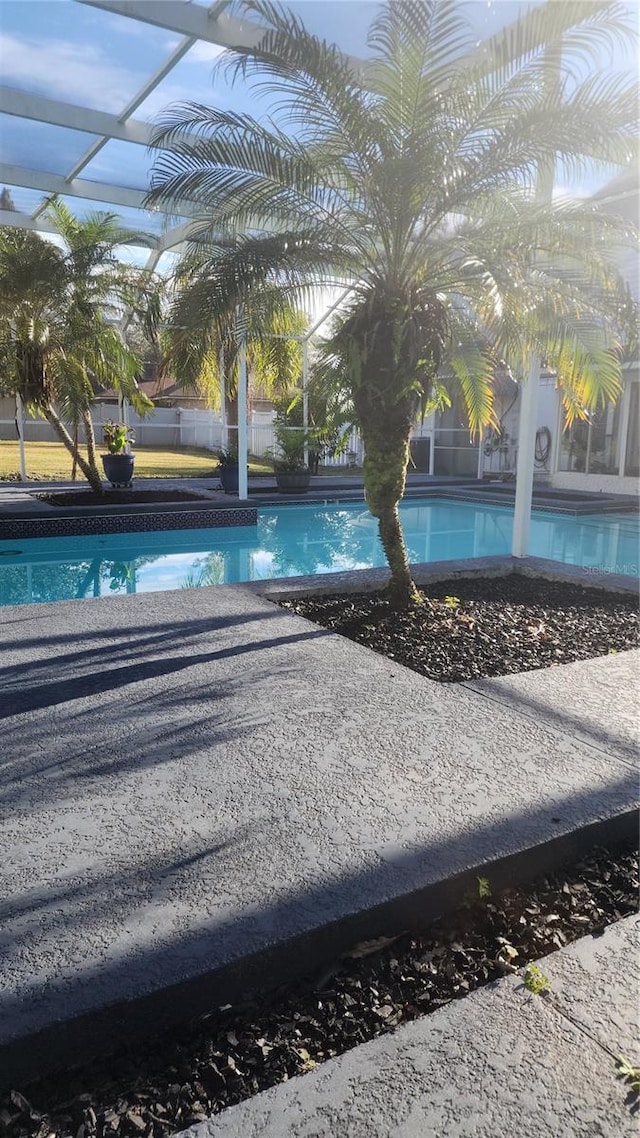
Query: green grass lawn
[52, 461]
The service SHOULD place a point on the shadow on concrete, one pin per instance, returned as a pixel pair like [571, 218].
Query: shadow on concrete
[27, 699]
[154, 875]
[43, 782]
[179, 973]
[538, 710]
[131, 641]
[182, 725]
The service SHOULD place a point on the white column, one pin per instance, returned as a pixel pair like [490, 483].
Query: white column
[243, 489]
[587, 461]
[527, 428]
[123, 416]
[481, 456]
[528, 423]
[223, 400]
[305, 395]
[20, 425]
[125, 419]
[557, 437]
[623, 425]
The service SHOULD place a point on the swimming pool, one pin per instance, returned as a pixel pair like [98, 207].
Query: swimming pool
[293, 540]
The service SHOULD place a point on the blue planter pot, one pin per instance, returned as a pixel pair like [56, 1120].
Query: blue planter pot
[229, 477]
[118, 468]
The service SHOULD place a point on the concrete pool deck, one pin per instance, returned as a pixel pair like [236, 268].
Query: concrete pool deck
[191, 777]
[496, 1064]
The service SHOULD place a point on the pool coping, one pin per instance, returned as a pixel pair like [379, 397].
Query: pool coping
[470, 494]
[499, 565]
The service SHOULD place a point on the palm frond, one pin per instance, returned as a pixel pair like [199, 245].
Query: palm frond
[412, 177]
[468, 368]
[568, 35]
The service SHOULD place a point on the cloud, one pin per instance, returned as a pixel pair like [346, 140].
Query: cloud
[76, 73]
[204, 52]
[169, 93]
[83, 74]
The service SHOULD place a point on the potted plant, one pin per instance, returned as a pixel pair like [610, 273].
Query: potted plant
[118, 464]
[228, 469]
[292, 472]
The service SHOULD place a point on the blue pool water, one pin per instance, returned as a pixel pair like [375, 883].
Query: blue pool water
[293, 540]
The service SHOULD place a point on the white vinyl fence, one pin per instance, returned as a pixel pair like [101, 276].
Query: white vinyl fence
[175, 427]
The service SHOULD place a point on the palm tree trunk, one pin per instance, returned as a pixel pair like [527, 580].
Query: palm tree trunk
[90, 440]
[385, 469]
[90, 473]
[232, 410]
[74, 467]
[90, 578]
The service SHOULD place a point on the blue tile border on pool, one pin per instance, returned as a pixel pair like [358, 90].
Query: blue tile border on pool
[38, 526]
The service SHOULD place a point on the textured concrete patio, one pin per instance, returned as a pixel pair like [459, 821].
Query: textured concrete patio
[496, 1064]
[189, 777]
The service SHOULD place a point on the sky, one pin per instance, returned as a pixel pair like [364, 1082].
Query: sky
[86, 56]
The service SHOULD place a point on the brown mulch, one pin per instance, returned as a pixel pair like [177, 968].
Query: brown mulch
[474, 627]
[231, 1053]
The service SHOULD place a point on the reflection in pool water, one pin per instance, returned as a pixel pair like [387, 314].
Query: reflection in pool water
[294, 540]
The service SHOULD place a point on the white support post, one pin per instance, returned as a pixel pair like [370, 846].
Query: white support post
[125, 419]
[623, 428]
[432, 447]
[123, 416]
[529, 397]
[243, 452]
[587, 461]
[557, 435]
[480, 456]
[223, 400]
[527, 428]
[20, 426]
[305, 397]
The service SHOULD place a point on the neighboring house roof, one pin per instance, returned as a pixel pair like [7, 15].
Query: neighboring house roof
[157, 390]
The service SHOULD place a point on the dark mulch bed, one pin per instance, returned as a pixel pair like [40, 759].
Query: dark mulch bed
[483, 626]
[234, 1052]
[117, 497]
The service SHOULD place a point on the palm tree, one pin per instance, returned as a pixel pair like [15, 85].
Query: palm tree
[59, 334]
[412, 178]
[200, 340]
